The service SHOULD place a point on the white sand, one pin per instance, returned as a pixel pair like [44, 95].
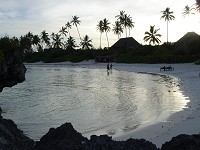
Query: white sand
[183, 122]
[186, 121]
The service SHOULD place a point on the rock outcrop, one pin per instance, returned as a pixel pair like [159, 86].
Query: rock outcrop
[66, 137]
[12, 71]
[183, 142]
[11, 138]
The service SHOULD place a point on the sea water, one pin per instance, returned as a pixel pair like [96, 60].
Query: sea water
[93, 100]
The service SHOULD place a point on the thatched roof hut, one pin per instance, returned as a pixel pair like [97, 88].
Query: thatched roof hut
[189, 41]
[125, 43]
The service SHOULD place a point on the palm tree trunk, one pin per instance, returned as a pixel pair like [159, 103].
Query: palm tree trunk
[68, 32]
[78, 32]
[107, 39]
[100, 39]
[167, 31]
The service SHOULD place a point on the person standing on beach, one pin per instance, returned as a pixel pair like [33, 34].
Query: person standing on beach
[111, 66]
[108, 67]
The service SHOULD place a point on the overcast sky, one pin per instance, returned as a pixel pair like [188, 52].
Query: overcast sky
[18, 17]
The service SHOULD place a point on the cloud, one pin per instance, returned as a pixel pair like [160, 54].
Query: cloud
[17, 17]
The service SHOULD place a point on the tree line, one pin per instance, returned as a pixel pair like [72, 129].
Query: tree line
[123, 24]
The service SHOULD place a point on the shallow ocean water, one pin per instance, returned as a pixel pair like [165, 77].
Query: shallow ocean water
[94, 101]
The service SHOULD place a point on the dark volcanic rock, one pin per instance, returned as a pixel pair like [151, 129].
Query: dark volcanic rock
[11, 138]
[13, 74]
[66, 137]
[61, 138]
[183, 142]
[12, 71]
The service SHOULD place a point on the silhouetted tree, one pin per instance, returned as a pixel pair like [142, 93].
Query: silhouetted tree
[101, 29]
[45, 38]
[86, 43]
[70, 43]
[76, 22]
[68, 26]
[188, 11]
[126, 21]
[167, 15]
[36, 42]
[198, 5]
[117, 28]
[57, 41]
[63, 31]
[106, 28]
[152, 36]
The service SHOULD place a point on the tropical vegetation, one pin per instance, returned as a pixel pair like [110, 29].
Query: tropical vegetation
[62, 46]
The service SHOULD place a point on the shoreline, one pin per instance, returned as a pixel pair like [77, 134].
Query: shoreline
[186, 121]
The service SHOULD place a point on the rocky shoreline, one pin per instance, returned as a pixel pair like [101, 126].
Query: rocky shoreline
[65, 136]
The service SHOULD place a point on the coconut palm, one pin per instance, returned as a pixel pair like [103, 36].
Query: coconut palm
[28, 39]
[167, 15]
[117, 28]
[68, 26]
[36, 41]
[70, 43]
[76, 22]
[198, 5]
[188, 11]
[130, 24]
[45, 38]
[106, 28]
[57, 41]
[63, 31]
[25, 44]
[100, 28]
[152, 36]
[126, 21]
[86, 43]
[120, 17]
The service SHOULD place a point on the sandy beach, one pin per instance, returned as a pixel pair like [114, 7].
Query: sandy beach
[186, 121]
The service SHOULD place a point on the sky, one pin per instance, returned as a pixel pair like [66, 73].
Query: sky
[18, 17]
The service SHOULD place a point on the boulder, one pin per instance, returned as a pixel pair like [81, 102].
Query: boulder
[183, 142]
[11, 138]
[61, 138]
[66, 137]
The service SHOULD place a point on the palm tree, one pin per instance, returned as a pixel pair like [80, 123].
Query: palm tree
[106, 28]
[68, 26]
[25, 44]
[187, 11]
[130, 24]
[126, 21]
[86, 43]
[28, 41]
[70, 43]
[36, 41]
[120, 17]
[100, 28]
[76, 22]
[63, 31]
[57, 41]
[198, 5]
[45, 38]
[117, 28]
[167, 15]
[152, 36]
